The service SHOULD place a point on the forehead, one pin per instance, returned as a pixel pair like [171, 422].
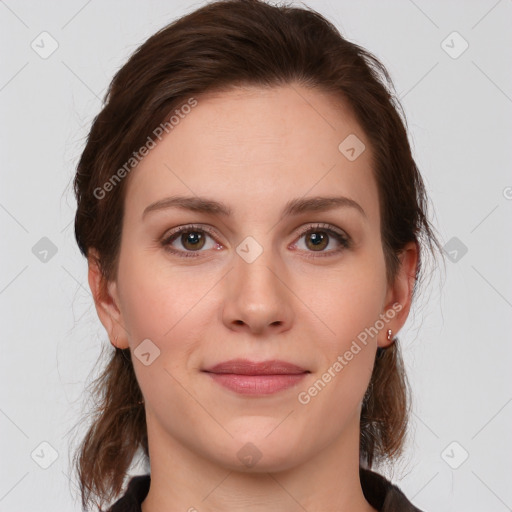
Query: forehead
[251, 145]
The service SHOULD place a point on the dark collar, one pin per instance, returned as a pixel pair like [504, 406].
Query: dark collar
[380, 493]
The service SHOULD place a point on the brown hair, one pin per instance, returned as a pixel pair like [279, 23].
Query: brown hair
[225, 44]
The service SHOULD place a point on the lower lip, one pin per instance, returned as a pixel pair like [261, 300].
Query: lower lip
[256, 384]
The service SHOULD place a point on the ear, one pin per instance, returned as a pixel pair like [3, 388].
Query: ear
[399, 294]
[106, 300]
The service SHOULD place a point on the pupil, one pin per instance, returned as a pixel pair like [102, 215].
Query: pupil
[193, 237]
[316, 239]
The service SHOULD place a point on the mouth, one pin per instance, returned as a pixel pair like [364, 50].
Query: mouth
[256, 378]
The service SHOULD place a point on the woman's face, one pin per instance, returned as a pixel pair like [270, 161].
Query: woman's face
[280, 278]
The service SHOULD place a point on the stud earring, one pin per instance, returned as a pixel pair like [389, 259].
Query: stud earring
[381, 350]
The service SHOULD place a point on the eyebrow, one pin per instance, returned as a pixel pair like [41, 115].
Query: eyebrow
[292, 207]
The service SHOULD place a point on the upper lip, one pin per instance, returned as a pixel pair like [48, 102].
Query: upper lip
[247, 367]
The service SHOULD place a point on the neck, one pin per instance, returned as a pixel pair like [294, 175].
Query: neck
[182, 479]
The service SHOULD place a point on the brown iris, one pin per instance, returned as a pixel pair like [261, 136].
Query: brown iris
[194, 238]
[319, 240]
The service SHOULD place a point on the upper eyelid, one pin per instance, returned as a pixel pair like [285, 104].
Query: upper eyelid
[322, 225]
[210, 230]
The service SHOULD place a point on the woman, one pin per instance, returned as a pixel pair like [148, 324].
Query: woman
[254, 225]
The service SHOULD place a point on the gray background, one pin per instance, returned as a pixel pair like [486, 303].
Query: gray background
[456, 345]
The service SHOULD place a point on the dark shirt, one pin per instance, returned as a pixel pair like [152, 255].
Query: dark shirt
[380, 493]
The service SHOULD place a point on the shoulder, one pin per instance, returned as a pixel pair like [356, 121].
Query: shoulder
[382, 494]
[135, 494]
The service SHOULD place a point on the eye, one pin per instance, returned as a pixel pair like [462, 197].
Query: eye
[320, 236]
[191, 238]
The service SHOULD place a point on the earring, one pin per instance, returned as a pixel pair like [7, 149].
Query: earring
[381, 350]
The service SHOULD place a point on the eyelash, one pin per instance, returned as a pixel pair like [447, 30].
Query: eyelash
[343, 240]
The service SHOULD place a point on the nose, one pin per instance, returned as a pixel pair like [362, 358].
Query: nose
[257, 298]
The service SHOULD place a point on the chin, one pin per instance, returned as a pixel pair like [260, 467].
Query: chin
[256, 453]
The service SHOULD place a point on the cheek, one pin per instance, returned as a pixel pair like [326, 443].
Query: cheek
[347, 302]
[163, 308]
[157, 303]
[349, 308]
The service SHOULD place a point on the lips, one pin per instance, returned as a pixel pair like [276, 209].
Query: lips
[256, 378]
[246, 367]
